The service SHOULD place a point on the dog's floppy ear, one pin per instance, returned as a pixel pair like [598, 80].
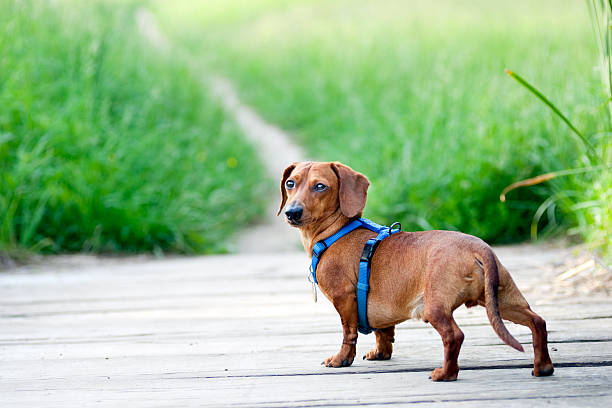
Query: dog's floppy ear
[353, 190]
[286, 174]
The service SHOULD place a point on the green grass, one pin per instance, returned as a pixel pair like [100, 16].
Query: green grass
[414, 95]
[584, 190]
[106, 146]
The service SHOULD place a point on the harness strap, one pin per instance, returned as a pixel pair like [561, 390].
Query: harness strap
[321, 246]
[363, 284]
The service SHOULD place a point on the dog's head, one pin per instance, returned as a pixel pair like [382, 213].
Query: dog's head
[314, 191]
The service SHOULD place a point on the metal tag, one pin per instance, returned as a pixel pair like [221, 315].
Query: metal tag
[314, 285]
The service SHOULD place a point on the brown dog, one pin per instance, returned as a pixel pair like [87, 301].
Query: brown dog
[424, 275]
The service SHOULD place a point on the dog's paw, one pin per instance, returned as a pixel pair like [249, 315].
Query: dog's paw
[440, 375]
[377, 355]
[543, 371]
[336, 361]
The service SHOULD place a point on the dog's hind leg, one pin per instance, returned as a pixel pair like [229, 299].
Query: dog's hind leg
[384, 344]
[452, 337]
[514, 307]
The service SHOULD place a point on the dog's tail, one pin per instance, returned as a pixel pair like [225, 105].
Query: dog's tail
[489, 263]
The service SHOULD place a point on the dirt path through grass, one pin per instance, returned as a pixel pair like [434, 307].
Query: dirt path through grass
[276, 150]
[274, 147]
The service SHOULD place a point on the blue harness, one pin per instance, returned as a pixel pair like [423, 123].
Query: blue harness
[363, 284]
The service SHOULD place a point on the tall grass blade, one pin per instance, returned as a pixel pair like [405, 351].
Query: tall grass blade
[550, 201]
[556, 110]
[603, 105]
[526, 183]
[35, 217]
[548, 176]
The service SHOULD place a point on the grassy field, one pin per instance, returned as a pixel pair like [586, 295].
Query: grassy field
[414, 94]
[106, 146]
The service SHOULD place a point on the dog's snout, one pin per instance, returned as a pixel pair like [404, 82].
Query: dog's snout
[294, 213]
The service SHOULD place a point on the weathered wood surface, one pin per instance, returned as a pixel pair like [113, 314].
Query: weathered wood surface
[242, 330]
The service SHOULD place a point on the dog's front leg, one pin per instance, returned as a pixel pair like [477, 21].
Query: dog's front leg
[347, 309]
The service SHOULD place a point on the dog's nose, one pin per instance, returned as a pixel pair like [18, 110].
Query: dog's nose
[294, 213]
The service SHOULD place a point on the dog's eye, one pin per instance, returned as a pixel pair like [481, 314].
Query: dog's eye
[319, 187]
[289, 184]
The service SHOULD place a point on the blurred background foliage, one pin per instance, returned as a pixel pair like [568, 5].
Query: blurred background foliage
[413, 94]
[105, 146]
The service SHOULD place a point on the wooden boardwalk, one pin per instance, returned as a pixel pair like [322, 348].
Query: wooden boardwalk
[242, 330]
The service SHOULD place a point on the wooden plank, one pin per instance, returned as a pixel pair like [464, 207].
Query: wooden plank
[243, 331]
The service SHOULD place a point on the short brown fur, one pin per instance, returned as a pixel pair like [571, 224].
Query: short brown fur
[424, 275]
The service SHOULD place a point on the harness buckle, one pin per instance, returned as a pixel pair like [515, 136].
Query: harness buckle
[319, 248]
[395, 227]
[368, 250]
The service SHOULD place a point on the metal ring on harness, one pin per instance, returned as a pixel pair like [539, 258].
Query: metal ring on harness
[395, 227]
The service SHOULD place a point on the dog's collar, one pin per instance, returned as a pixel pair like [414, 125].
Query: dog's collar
[363, 285]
